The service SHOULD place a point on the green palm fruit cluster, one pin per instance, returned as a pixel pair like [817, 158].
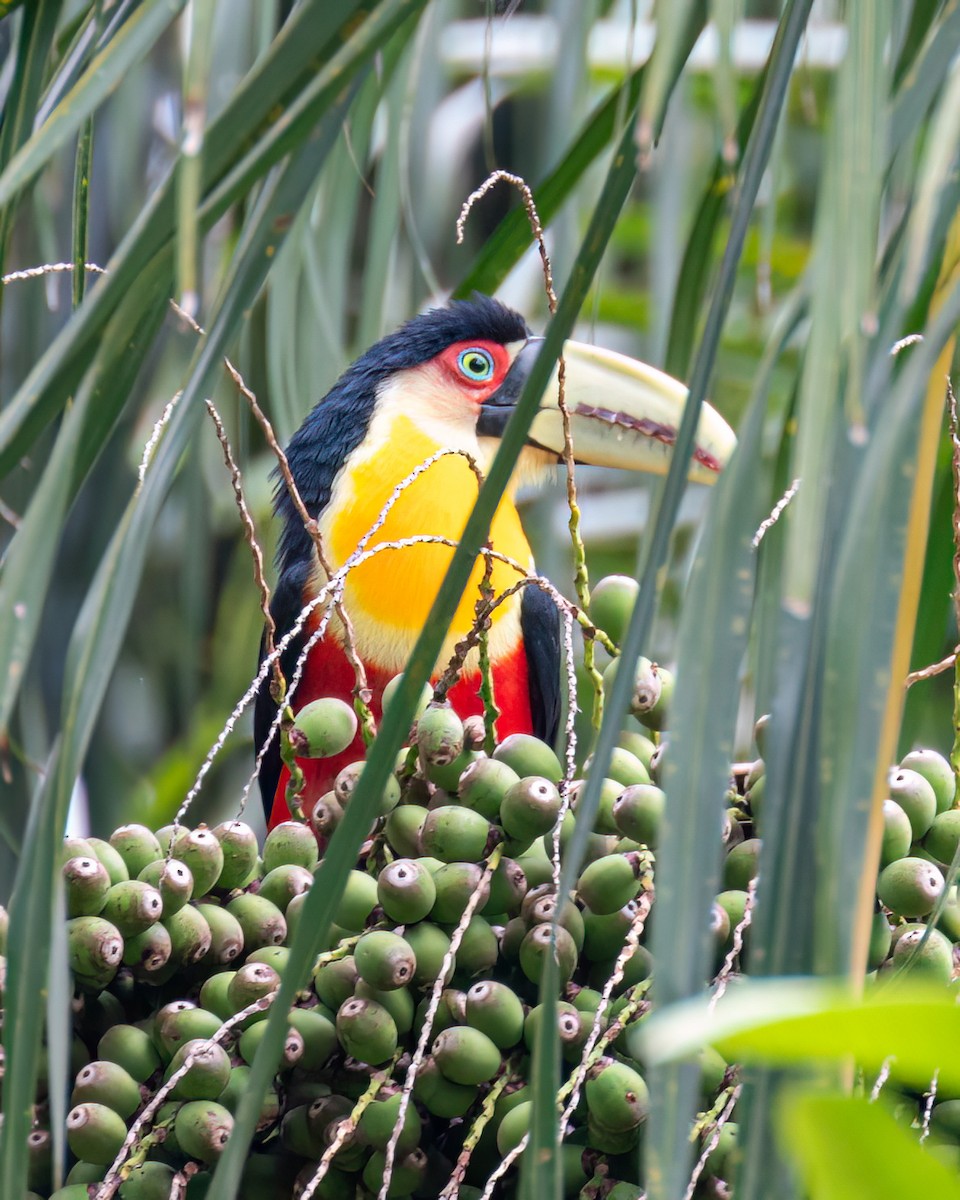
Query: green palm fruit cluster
[423, 1011]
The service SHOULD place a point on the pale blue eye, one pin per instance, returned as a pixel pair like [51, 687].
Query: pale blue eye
[476, 364]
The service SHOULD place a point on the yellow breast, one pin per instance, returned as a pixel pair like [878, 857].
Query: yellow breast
[389, 596]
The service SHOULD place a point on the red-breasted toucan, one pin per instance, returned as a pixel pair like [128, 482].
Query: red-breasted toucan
[448, 378]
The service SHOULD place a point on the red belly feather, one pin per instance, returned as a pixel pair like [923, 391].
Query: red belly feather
[328, 673]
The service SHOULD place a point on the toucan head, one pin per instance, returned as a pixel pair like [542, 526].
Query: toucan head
[458, 372]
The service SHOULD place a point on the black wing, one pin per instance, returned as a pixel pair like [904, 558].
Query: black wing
[540, 626]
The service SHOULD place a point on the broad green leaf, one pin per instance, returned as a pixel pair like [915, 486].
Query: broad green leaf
[799, 1021]
[849, 1149]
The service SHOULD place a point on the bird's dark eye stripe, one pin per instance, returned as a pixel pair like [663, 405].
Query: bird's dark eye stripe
[475, 363]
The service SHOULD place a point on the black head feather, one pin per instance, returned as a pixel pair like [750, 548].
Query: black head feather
[339, 422]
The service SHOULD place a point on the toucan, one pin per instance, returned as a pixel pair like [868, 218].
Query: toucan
[447, 379]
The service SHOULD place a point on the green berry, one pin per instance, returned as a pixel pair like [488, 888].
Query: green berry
[366, 1031]
[453, 833]
[132, 906]
[207, 1075]
[938, 772]
[87, 883]
[226, 934]
[611, 603]
[617, 1096]
[132, 1048]
[610, 882]
[290, 842]
[897, 833]
[527, 755]
[466, 1055]
[483, 785]
[95, 1132]
[406, 891]
[95, 949]
[910, 887]
[137, 846]
[201, 851]
[916, 797]
[322, 728]
[638, 813]
[530, 808]
[202, 1129]
[384, 960]
[262, 922]
[106, 1082]
[239, 845]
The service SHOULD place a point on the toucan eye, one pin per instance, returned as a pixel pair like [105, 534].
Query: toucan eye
[476, 364]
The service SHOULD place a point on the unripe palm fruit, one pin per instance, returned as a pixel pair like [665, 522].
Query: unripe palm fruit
[280, 885]
[426, 695]
[384, 960]
[95, 948]
[610, 882]
[148, 952]
[479, 948]
[203, 854]
[226, 935]
[172, 879]
[624, 767]
[292, 1051]
[325, 816]
[406, 891]
[190, 934]
[441, 1097]
[215, 994]
[910, 887]
[95, 1132]
[536, 864]
[334, 981]
[638, 812]
[207, 1075]
[239, 845]
[937, 771]
[252, 982]
[181, 1022]
[573, 1028]
[357, 902]
[508, 886]
[290, 842]
[76, 847]
[429, 944]
[536, 944]
[740, 865]
[466, 1055]
[407, 1176]
[514, 1127]
[132, 1049]
[132, 906]
[202, 1129]
[916, 797]
[943, 836]
[147, 1181]
[439, 735]
[106, 1082]
[496, 1011]
[366, 1031]
[346, 782]
[617, 1097]
[86, 884]
[484, 784]
[137, 846]
[527, 755]
[611, 603]
[603, 822]
[319, 1036]
[897, 833]
[402, 829]
[926, 954]
[453, 833]
[379, 1117]
[530, 808]
[881, 937]
[261, 921]
[456, 882]
[604, 936]
[322, 728]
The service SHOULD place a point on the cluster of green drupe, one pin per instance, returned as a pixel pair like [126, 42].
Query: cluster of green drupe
[426, 997]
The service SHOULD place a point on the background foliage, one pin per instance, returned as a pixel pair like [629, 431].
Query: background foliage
[293, 174]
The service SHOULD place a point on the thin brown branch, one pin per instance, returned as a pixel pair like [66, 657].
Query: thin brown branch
[361, 691]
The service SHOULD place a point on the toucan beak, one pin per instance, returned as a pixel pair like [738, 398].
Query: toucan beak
[622, 413]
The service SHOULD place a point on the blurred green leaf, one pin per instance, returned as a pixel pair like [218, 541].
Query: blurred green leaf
[798, 1021]
[103, 75]
[848, 1149]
